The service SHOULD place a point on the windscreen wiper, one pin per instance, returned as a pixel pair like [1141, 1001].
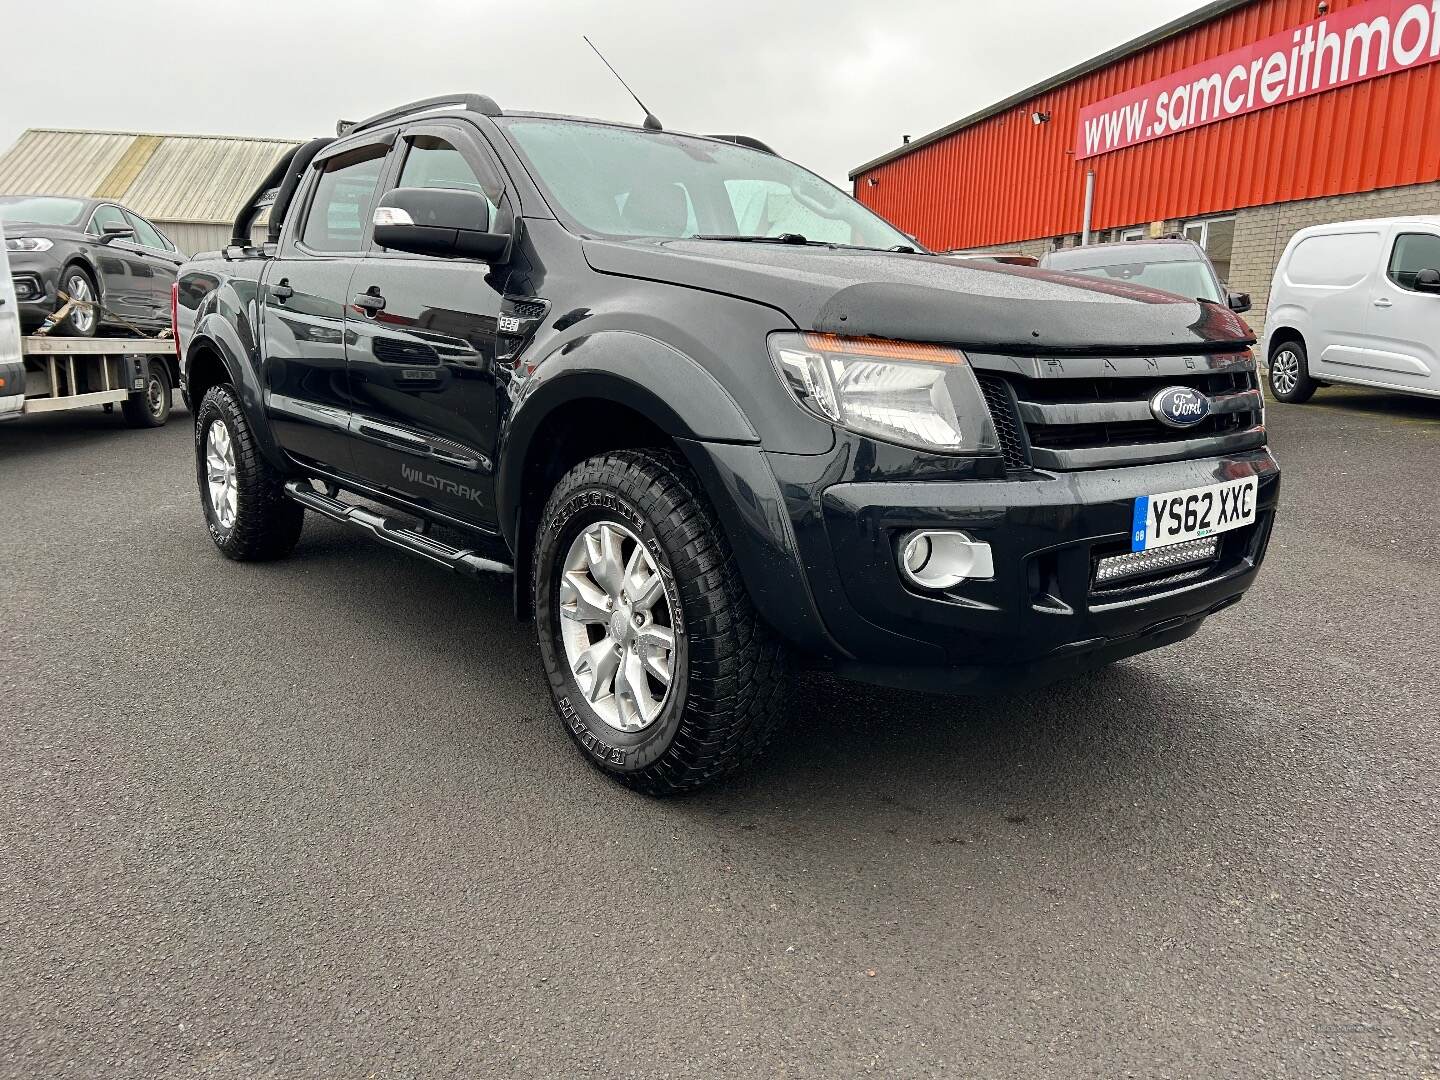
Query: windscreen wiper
[783, 238]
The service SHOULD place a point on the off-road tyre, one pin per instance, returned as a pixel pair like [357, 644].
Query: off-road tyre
[150, 408]
[727, 696]
[266, 524]
[1291, 364]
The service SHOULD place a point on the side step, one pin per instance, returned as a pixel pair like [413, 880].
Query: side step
[442, 554]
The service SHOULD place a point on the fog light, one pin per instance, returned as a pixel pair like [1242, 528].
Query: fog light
[941, 560]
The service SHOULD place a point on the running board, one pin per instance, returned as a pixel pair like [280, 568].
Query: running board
[442, 554]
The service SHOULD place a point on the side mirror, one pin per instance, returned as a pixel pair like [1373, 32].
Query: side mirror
[1428, 281]
[1239, 302]
[114, 231]
[446, 222]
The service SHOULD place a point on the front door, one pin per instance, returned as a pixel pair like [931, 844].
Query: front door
[127, 279]
[1405, 324]
[421, 349]
[305, 294]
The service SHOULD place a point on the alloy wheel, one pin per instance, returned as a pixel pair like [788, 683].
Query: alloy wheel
[82, 315]
[1285, 371]
[617, 626]
[220, 475]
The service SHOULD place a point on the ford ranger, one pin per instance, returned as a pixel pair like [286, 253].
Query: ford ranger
[716, 418]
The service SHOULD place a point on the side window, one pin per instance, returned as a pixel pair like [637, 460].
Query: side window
[145, 233]
[1413, 252]
[106, 215]
[340, 208]
[431, 162]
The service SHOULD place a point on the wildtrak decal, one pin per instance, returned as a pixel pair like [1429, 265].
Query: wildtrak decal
[439, 483]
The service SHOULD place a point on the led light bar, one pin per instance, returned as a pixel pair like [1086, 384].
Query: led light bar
[1138, 563]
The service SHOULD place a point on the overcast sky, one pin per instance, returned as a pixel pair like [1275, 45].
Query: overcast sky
[828, 83]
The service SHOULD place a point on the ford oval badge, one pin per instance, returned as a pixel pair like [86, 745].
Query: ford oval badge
[1179, 406]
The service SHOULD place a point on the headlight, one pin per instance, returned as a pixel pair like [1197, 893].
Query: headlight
[922, 396]
[28, 243]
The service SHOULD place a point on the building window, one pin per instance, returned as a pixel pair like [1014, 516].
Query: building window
[1217, 237]
[1137, 233]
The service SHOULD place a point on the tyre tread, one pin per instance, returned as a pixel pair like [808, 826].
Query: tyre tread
[738, 674]
[267, 522]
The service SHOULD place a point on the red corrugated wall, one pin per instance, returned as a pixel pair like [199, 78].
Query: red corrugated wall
[1007, 179]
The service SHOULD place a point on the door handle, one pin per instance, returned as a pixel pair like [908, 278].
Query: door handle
[1383, 302]
[283, 291]
[370, 301]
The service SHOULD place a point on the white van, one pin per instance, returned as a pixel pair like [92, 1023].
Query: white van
[1357, 302]
[12, 367]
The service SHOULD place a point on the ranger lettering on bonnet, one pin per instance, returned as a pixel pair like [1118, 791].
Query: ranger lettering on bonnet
[682, 389]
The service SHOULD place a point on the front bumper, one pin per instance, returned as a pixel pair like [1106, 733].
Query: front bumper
[37, 280]
[1041, 616]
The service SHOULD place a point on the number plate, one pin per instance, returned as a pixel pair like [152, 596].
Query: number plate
[1177, 516]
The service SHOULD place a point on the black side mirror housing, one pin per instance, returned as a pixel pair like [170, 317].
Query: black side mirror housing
[1239, 302]
[114, 231]
[1428, 280]
[446, 222]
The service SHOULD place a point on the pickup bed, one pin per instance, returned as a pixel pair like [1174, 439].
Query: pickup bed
[716, 418]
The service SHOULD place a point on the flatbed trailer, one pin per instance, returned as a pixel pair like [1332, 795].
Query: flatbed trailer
[63, 373]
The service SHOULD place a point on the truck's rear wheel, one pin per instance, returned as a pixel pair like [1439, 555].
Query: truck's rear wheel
[249, 516]
[150, 407]
[661, 671]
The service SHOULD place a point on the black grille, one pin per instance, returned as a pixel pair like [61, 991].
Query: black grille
[1057, 420]
[1007, 424]
[1138, 433]
[526, 309]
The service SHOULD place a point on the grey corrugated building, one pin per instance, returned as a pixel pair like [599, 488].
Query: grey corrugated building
[191, 186]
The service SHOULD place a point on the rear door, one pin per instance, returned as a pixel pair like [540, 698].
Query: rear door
[305, 293]
[422, 367]
[162, 260]
[1405, 324]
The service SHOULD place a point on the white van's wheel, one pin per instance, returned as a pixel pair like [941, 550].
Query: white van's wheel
[1290, 380]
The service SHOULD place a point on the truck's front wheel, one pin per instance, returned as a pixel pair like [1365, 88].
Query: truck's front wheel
[249, 516]
[661, 670]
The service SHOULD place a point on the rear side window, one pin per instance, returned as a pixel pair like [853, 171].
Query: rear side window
[1412, 253]
[145, 234]
[340, 208]
[1333, 261]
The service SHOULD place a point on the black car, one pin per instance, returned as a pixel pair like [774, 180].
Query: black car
[1173, 264]
[715, 417]
[115, 265]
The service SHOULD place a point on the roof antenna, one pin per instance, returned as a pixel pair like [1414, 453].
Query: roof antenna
[651, 124]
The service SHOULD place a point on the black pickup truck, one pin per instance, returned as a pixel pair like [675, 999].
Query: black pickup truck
[715, 417]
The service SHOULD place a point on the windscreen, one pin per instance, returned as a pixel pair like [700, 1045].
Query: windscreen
[613, 181]
[41, 210]
[1192, 280]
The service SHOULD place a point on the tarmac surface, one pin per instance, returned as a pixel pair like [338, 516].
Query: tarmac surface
[317, 818]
